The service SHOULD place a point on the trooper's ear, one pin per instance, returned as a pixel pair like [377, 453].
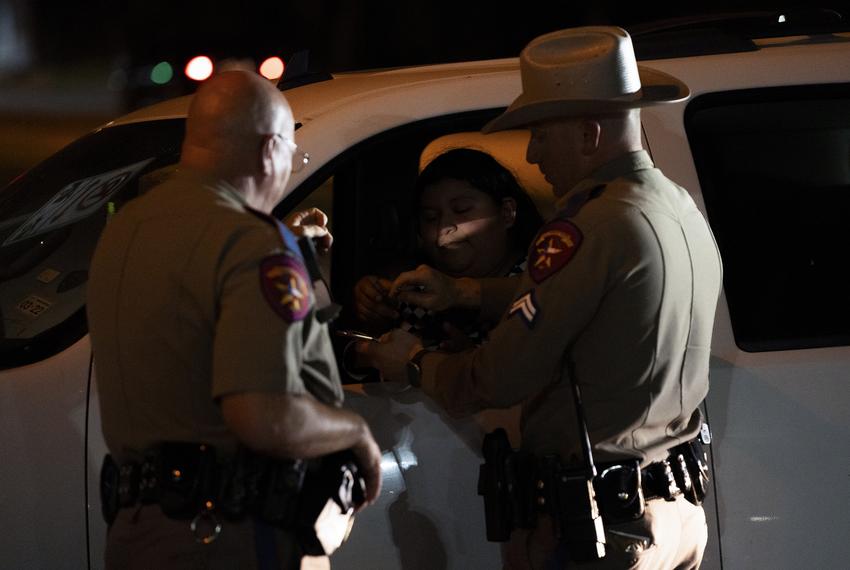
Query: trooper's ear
[591, 131]
[508, 212]
[268, 148]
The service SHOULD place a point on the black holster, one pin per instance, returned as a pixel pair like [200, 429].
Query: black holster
[516, 487]
[495, 484]
[570, 498]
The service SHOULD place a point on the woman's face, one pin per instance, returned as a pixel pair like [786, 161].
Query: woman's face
[463, 230]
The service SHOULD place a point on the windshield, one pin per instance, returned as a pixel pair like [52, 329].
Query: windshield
[50, 220]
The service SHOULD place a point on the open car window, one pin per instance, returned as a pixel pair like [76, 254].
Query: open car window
[369, 195]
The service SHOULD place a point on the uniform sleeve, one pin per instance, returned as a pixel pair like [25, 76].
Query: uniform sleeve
[264, 314]
[526, 351]
[496, 295]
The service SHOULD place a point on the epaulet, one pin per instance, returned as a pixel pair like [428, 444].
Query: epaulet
[577, 202]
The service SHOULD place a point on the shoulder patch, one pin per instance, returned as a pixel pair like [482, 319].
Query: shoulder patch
[285, 286]
[553, 248]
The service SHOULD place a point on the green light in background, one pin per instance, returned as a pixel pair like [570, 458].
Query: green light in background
[162, 73]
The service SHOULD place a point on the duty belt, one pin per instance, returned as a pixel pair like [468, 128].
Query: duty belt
[185, 477]
[188, 483]
[622, 487]
[517, 486]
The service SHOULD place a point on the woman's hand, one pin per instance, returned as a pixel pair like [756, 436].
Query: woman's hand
[371, 302]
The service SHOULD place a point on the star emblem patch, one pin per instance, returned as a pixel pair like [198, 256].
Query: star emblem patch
[284, 284]
[552, 249]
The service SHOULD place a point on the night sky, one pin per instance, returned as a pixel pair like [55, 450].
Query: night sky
[341, 35]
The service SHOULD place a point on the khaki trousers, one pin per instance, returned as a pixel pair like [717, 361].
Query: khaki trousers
[145, 539]
[671, 535]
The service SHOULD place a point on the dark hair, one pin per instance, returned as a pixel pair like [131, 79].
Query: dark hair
[484, 172]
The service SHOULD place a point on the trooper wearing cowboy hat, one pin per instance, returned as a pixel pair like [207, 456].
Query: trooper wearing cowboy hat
[618, 298]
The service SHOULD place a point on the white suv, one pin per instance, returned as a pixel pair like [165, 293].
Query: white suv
[762, 145]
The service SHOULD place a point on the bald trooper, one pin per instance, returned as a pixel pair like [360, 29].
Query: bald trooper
[619, 297]
[204, 328]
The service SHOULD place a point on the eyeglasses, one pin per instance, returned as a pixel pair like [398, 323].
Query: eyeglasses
[299, 157]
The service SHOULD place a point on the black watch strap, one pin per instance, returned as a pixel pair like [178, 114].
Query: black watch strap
[414, 368]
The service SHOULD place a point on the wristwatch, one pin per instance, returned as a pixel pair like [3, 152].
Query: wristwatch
[414, 368]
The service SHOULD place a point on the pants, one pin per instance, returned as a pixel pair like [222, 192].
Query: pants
[671, 535]
[142, 538]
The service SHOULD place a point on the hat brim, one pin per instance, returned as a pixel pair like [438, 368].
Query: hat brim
[657, 88]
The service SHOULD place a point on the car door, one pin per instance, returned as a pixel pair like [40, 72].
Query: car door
[429, 514]
[762, 146]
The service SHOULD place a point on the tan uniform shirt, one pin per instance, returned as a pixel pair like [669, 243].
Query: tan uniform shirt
[192, 297]
[620, 292]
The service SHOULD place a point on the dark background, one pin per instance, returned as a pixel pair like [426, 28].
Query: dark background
[66, 67]
[341, 35]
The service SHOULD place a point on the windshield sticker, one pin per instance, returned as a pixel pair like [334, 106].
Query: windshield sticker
[34, 305]
[75, 201]
[48, 275]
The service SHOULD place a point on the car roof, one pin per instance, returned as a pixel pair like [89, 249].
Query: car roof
[315, 99]
[335, 91]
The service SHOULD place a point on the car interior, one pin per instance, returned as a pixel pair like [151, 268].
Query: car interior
[368, 193]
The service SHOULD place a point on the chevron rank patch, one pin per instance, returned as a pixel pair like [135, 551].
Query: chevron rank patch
[526, 307]
[552, 249]
[284, 282]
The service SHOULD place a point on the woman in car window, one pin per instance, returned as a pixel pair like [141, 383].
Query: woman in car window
[474, 220]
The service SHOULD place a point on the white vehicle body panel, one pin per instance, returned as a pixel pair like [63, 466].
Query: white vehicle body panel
[780, 452]
[42, 476]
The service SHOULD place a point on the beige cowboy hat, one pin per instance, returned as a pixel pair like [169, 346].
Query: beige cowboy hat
[584, 71]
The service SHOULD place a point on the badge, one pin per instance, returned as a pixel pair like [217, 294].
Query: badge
[285, 286]
[553, 248]
[526, 307]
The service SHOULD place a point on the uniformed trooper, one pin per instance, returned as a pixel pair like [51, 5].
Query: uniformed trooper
[205, 332]
[618, 298]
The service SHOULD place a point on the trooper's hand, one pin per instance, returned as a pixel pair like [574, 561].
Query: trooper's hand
[369, 459]
[391, 353]
[371, 301]
[312, 223]
[427, 288]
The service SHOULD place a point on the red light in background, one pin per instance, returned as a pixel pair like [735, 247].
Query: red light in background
[272, 68]
[199, 68]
